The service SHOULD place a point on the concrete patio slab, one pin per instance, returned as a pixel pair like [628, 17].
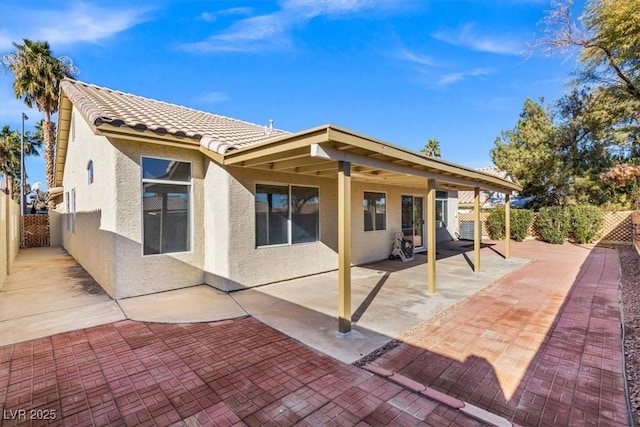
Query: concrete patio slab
[49, 293]
[388, 298]
[188, 305]
[63, 320]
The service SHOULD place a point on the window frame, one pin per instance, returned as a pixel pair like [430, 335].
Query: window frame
[289, 218]
[90, 176]
[72, 215]
[67, 204]
[373, 223]
[188, 184]
[444, 202]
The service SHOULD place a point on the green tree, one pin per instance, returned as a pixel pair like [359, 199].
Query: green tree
[529, 153]
[10, 156]
[607, 36]
[37, 75]
[432, 148]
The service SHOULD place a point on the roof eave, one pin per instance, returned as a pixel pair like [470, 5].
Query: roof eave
[330, 133]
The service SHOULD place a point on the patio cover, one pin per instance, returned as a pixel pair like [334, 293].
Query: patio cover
[331, 151]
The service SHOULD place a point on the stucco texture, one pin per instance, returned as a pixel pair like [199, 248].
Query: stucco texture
[106, 238]
[105, 233]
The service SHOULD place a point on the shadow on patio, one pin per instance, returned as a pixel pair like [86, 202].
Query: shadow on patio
[388, 298]
[540, 347]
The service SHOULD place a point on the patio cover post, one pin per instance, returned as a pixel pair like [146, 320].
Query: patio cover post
[477, 228]
[431, 236]
[344, 247]
[507, 226]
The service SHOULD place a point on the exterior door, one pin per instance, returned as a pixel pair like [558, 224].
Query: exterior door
[413, 220]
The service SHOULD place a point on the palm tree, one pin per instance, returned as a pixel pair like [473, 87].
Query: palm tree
[10, 154]
[37, 75]
[432, 148]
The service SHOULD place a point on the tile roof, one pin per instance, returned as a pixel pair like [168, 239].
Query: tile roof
[493, 170]
[100, 106]
[466, 197]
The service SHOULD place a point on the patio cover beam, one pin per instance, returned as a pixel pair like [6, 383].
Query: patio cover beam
[344, 247]
[322, 151]
[507, 225]
[477, 228]
[431, 236]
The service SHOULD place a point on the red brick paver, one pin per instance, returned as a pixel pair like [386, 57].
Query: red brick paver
[237, 372]
[540, 347]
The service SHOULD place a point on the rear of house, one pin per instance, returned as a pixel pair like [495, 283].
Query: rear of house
[158, 197]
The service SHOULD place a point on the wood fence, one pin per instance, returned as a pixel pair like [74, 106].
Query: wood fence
[35, 231]
[617, 227]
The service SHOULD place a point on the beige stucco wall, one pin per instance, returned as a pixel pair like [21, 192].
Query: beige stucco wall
[55, 227]
[108, 221]
[9, 235]
[107, 240]
[92, 241]
[153, 273]
[232, 259]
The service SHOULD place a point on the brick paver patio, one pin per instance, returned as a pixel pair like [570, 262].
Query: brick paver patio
[227, 373]
[540, 347]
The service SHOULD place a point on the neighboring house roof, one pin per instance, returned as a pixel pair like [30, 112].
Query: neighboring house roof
[465, 198]
[105, 106]
[494, 171]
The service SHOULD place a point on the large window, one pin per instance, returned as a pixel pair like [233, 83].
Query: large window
[166, 206]
[286, 214]
[375, 211]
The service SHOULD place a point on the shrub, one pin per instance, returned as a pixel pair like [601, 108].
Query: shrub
[495, 224]
[586, 222]
[520, 223]
[553, 224]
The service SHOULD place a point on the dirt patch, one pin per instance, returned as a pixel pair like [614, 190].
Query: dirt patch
[80, 276]
[630, 269]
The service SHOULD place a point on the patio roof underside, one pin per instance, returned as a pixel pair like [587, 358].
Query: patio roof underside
[317, 152]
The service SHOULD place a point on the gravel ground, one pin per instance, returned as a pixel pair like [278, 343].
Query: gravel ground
[630, 264]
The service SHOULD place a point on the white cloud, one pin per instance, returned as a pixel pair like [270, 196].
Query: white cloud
[76, 22]
[421, 60]
[212, 97]
[272, 32]
[455, 77]
[467, 36]
[212, 16]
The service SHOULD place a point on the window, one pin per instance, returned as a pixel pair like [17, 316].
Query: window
[70, 205]
[90, 172]
[442, 202]
[286, 214]
[166, 206]
[67, 204]
[375, 211]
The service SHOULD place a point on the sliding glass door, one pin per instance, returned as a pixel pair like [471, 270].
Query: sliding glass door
[413, 220]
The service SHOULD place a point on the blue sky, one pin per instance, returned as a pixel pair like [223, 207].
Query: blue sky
[401, 71]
